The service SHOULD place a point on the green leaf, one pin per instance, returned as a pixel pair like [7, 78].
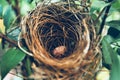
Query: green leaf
[25, 7]
[111, 58]
[28, 66]
[115, 69]
[98, 5]
[116, 4]
[1, 11]
[106, 50]
[9, 17]
[14, 34]
[109, 39]
[117, 41]
[113, 15]
[1, 51]
[29, 1]
[10, 59]
[3, 3]
[114, 24]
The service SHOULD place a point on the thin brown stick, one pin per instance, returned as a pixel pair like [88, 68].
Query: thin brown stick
[13, 42]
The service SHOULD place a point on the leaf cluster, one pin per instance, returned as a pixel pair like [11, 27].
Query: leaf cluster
[111, 41]
[11, 13]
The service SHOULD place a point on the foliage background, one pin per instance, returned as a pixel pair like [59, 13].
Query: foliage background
[105, 13]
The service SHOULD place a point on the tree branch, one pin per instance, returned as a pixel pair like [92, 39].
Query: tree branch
[13, 42]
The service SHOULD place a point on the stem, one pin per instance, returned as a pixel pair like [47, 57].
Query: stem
[104, 17]
[17, 10]
[13, 42]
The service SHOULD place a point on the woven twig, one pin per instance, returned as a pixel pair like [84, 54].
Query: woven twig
[62, 39]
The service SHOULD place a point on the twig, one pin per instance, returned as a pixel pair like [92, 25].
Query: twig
[104, 17]
[22, 49]
[100, 14]
[13, 42]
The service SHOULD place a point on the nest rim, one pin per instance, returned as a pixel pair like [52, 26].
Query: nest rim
[76, 59]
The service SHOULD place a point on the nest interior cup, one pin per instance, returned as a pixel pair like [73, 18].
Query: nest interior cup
[61, 38]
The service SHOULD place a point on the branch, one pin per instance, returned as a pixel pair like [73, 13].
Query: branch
[104, 17]
[13, 42]
[16, 8]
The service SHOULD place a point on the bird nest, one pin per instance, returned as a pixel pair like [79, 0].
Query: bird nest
[63, 41]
